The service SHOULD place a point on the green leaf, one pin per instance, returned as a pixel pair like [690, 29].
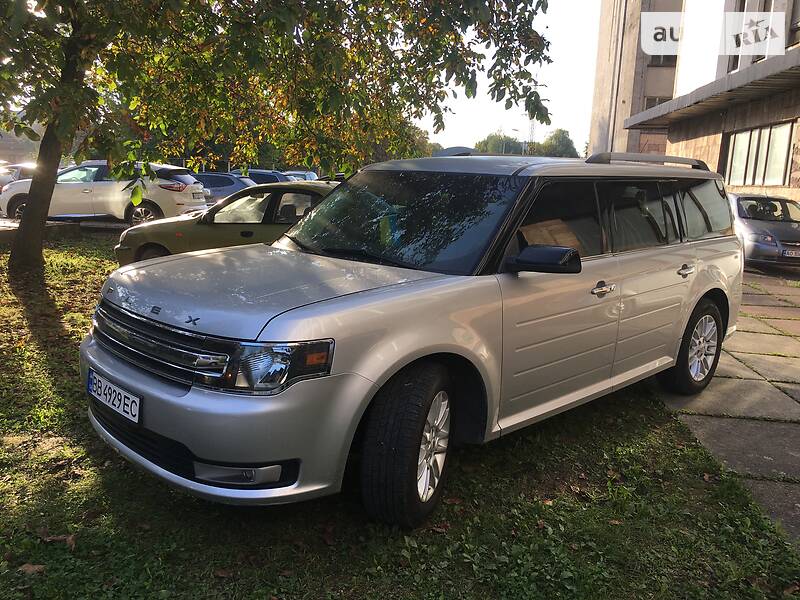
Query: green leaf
[136, 195]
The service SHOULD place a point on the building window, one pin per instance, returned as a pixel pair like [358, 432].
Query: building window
[794, 25]
[663, 60]
[651, 101]
[761, 156]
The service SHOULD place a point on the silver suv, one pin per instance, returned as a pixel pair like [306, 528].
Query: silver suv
[423, 304]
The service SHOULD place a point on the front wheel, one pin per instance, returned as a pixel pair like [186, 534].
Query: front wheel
[406, 446]
[699, 353]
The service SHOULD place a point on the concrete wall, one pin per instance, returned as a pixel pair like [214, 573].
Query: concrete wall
[702, 137]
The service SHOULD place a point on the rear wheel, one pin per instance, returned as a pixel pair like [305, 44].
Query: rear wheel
[406, 446]
[143, 212]
[17, 206]
[699, 353]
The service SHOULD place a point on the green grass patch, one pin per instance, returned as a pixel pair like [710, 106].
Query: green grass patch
[611, 500]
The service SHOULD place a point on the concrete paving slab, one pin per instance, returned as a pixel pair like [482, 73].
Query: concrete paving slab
[789, 300]
[771, 312]
[781, 502]
[784, 325]
[790, 389]
[754, 325]
[762, 300]
[738, 398]
[754, 288]
[728, 366]
[785, 290]
[758, 448]
[762, 343]
[774, 368]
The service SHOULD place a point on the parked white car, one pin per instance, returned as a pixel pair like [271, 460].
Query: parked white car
[9, 173]
[87, 190]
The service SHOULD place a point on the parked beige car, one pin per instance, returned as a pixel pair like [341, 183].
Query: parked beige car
[258, 214]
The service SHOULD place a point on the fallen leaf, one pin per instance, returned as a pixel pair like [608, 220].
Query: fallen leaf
[540, 524]
[223, 573]
[547, 502]
[440, 527]
[30, 569]
[792, 589]
[582, 476]
[707, 477]
[452, 500]
[614, 522]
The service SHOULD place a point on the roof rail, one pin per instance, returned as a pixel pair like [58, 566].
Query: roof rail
[605, 158]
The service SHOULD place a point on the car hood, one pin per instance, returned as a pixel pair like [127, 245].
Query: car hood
[783, 230]
[171, 224]
[235, 292]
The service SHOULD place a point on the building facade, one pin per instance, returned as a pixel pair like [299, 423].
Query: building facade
[627, 80]
[738, 113]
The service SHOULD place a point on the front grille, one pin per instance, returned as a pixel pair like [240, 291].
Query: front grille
[173, 456]
[792, 243]
[165, 351]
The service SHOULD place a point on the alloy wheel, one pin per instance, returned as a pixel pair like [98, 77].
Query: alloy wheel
[433, 447]
[18, 210]
[703, 347]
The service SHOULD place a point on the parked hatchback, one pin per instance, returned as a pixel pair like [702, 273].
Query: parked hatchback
[769, 227]
[257, 214]
[88, 191]
[222, 185]
[424, 303]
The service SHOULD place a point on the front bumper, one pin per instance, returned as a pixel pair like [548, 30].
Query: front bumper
[756, 252]
[308, 427]
[124, 254]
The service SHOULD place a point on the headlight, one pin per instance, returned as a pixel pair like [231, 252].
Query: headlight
[271, 368]
[762, 238]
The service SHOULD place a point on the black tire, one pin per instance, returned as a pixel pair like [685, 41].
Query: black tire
[145, 205]
[17, 203]
[152, 251]
[678, 378]
[391, 447]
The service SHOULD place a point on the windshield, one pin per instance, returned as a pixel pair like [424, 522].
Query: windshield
[769, 209]
[439, 222]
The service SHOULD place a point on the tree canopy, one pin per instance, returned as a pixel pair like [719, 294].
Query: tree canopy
[558, 143]
[323, 80]
[499, 143]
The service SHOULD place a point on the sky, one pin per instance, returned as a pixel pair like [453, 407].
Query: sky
[571, 27]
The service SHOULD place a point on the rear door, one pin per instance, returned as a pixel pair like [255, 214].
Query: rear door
[110, 196]
[72, 194]
[655, 272]
[559, 330]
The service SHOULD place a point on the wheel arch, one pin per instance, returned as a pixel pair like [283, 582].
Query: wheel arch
[472, 401]
[720, 298]
[140, 250]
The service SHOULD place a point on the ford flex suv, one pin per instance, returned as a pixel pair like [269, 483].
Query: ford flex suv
[423, 304]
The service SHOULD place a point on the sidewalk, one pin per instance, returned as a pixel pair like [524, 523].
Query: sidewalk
[749, 416]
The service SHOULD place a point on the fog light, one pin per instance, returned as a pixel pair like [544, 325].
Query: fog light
[237, 475]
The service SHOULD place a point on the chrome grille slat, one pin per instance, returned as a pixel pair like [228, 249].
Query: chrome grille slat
[156, 348]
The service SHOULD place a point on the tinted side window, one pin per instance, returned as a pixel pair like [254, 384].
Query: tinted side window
[263, 177]
[640, 218]
[705, 208]
[565, 214]
[214, 181]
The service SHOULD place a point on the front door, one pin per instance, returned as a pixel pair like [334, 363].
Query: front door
[559, 331]
[72, 194]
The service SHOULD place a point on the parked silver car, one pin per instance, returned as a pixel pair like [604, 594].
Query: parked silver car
[769, 228]
[423, 303]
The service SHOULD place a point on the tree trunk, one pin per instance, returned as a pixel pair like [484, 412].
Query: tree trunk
[26, 251]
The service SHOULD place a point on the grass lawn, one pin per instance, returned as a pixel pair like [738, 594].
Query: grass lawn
[611, 500]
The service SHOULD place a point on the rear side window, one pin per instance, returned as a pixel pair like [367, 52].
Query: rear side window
[184, 176]
[705, 208]
[263, 177]
[640, 218]
[214, 181]
[294, 206]
[564, 214]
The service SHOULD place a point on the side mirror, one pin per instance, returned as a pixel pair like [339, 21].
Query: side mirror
[545, 259]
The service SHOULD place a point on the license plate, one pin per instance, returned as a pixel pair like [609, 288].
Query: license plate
[114, 396]
[198, 195]
[792, 253]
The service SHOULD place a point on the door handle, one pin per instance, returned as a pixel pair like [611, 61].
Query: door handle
[602, 288]
[85, 191]
[246, 234]
[686, 270]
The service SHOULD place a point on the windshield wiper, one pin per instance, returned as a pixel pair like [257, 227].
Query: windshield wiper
[301, 245]
[367, 256]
